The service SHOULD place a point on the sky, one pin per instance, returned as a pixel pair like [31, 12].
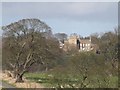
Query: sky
[83, 18]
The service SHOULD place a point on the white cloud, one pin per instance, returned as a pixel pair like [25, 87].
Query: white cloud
[58, 10]
[80, 12]
[91, 15]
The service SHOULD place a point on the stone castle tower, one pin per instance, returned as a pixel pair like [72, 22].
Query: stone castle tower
[82, 44]
[72, 39]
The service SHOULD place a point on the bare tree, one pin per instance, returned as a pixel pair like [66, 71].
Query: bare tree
[25, 43]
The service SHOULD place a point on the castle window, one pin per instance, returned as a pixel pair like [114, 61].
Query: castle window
[88, 44]
[80, 44]
[83, 44]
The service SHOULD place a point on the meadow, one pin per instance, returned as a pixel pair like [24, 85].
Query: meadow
[62, 81]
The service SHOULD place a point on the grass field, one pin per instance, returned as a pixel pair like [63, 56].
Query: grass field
[49, 80]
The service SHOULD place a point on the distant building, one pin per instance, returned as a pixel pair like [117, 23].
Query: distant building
[85, 44]
[82, 44]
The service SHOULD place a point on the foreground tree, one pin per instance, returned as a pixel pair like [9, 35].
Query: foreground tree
[24, 43]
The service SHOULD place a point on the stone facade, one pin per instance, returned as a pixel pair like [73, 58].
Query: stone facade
[81, 44]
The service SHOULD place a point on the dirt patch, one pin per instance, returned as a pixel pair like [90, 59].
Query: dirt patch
[25, 84]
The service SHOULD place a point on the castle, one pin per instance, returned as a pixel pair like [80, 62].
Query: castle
[76, 42]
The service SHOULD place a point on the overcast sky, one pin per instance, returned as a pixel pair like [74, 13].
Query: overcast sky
[75, 17]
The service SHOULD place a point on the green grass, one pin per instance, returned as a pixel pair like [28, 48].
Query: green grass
[49, 80]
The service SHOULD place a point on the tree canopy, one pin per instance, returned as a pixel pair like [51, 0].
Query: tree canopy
[26, 42]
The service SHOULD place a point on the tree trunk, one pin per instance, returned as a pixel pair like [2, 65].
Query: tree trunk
[46, 69]
[14, 74]
[19, 78]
